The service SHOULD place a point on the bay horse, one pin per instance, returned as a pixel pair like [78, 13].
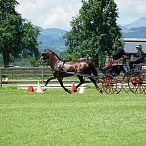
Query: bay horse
[63, 69]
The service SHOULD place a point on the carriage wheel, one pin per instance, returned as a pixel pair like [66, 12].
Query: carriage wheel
[125, 83]
[144, 84]
[119, 85]
[135, 84]
[109, 84]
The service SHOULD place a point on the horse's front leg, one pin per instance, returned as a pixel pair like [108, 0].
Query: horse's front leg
[61, 83]
[49, 79]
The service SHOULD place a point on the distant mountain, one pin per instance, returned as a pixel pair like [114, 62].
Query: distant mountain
[139, 32]
[122, 27]
[136, 24]
[52, 38]
[136, 29]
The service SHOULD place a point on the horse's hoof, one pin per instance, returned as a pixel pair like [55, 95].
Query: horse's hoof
[44, 89]
[72, 91]
[100, 91]
[75, 90]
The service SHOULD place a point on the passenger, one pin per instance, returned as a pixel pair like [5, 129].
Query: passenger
[139, 57]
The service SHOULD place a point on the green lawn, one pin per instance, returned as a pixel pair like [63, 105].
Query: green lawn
[56, 118]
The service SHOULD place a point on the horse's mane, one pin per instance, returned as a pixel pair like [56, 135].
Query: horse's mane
[53, 53]
[88, 60]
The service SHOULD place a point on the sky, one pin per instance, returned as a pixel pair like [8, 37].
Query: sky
[59, 13]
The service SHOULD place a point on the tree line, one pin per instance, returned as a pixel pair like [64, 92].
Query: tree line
[94, 32]
[18, 37]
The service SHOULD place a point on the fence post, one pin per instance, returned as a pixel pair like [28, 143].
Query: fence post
[42, 75]
[1, 78]
[34, 76]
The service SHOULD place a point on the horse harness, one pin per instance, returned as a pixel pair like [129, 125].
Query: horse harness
[59, 66]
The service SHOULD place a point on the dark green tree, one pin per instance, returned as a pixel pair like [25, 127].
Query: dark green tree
[29, 42]
[10, 23]
[94, 31]
[13, 31]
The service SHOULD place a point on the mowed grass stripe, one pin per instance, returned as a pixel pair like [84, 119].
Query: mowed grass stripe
[56, 118]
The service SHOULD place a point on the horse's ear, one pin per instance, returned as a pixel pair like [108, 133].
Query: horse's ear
[46, 50]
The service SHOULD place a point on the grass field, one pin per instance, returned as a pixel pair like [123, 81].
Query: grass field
[56, 118]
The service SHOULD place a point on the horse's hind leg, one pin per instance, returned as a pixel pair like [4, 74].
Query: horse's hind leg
[94, 82]
[81, 81]
[61, 83]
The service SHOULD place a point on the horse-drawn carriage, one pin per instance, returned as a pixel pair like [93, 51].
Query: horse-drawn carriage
[131, 80]
[111, 82]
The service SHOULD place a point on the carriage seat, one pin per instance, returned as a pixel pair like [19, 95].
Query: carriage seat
[139, 66]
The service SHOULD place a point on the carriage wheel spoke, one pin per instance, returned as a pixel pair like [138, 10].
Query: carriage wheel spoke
[125, 83]
[135, 84]
[109, 85]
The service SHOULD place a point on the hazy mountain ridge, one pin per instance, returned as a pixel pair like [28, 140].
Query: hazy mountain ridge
[136, 29]
[139, 32]
[138, 23]
[53, 38]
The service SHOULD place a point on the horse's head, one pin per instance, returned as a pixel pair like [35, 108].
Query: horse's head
[45, 55]
[50, 56]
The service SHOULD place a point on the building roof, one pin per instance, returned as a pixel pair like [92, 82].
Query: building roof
[130, 45]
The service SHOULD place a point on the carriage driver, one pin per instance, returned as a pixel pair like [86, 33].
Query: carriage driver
[119, 54]
[139, 57]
